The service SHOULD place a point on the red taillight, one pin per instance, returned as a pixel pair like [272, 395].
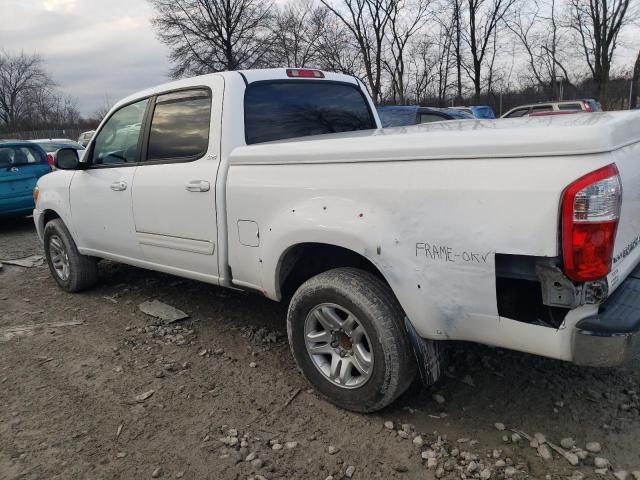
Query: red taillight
[50, 159]
[590, 214]
[304, 73]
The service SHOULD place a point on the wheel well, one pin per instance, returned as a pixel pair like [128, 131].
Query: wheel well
[48, 216]
[305, 260]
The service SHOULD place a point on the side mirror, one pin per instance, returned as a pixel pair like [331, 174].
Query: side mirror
[67, 159]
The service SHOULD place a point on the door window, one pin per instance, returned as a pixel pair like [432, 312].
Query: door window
[180, 126]
[18, 155]
[542, 108]
[431, 117]
[569, 106]
[117, 141]
[518, 113]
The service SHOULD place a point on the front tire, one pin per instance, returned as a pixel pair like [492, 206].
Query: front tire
[346, 331]
[71, 270]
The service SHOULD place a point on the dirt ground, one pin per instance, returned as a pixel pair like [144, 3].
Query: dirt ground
[225, 387]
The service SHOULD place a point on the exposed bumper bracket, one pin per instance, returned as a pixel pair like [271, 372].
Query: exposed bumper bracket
[611, 337]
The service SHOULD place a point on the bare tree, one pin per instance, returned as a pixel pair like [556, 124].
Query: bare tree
[635, 79]
[405, 19]
[368, 23]
[337, 51]
[22, 82]
[298, 30]
[458, 46]
[598, 24]
[480, 24]
[213, 35]
[537, 28]
[102, 111]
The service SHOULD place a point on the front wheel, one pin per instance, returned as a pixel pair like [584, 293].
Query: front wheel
[70, 269]
[347, 335]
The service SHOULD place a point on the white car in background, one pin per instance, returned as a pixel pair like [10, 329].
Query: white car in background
[52, 145]
[85, 137]
[585, 105]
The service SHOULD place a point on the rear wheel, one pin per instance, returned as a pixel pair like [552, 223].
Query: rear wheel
[70, 269]
[347, 335]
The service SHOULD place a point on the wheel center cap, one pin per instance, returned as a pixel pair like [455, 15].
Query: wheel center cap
[344, 341]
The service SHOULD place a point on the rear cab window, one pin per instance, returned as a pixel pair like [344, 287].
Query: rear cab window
[282, 109]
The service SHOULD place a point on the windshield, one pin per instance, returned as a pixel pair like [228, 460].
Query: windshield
[277, 110]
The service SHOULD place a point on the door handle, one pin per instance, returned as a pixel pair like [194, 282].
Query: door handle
[198, 186]
[118, 186]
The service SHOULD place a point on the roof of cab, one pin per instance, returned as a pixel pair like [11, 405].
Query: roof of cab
[248, 76]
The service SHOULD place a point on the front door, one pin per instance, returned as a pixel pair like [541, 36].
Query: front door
[101, 193]
[174, 204]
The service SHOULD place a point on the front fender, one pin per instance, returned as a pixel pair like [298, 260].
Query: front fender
[54, 197]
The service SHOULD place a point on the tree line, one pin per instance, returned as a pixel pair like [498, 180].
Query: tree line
[410, 51]
[429, 52]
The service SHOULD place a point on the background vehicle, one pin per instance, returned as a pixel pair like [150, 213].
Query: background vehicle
[554, 112]
[389, 242]
[52, 145]
[21, 165]
[478, 111]
[586, 105]
[398, 116]
[85, 137]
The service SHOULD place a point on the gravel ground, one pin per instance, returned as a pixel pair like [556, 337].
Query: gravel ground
[92, 388]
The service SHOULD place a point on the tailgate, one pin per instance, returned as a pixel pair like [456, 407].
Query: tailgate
[626, 254]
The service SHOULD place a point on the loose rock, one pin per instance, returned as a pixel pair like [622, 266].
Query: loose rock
[388, 425]
[567, 442]
[600, 462]
[332, 450]
[349, 471]
[593, 447]
[157, 472]
[544, 452]
[144, 396]
[499, 426]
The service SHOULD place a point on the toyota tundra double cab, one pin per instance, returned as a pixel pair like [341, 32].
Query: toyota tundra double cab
[386, 243]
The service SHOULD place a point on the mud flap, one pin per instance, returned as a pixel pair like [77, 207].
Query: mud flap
[430, 355]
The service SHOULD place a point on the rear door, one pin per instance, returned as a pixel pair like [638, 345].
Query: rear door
[174, 204]
[20, 168]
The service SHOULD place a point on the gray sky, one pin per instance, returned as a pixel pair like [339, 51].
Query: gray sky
[92, 48]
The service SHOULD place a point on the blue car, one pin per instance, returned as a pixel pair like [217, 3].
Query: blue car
[405, 115]
[478, 111]
[21, 165]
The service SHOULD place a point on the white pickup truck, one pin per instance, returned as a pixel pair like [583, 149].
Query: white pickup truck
[518, 233]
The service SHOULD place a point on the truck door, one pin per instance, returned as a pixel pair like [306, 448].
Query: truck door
[100, 194]
[174, 204]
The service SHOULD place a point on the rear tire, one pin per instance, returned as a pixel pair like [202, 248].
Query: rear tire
[72, 271]
[353, 324]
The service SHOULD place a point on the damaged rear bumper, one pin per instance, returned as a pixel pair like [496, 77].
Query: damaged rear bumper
[611, 337]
